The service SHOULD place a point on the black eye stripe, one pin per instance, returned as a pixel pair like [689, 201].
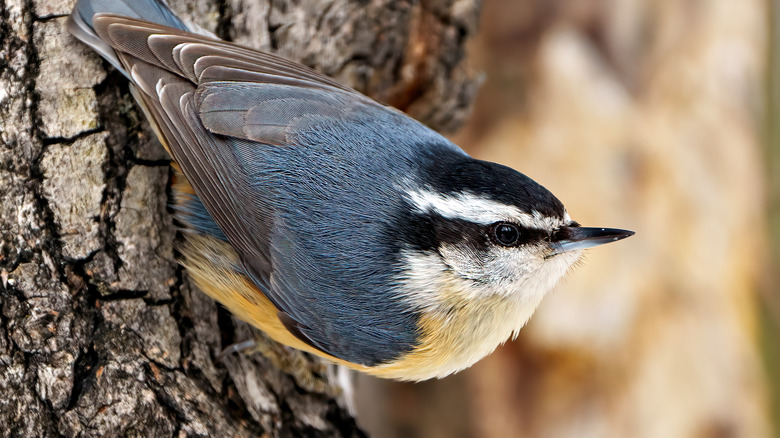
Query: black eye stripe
[427, 231]
[507, 229]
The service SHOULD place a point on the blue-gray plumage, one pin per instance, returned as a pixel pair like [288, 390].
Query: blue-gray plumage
[336, 215]
[337, 225]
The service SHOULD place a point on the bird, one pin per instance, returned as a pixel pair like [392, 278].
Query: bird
[335, 224]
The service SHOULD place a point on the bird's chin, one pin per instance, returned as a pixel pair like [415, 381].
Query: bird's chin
[562, 262]
[547, 275]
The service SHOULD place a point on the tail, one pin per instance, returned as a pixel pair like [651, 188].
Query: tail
[80, 21]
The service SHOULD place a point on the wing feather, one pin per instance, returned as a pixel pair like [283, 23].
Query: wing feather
[167, 46]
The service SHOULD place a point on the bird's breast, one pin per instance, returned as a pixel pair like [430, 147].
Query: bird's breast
[456, 326]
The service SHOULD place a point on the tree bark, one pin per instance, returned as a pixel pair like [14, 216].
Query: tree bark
[101, 332]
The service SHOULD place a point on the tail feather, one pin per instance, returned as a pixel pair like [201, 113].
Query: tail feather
[80, 21]
[154, 11]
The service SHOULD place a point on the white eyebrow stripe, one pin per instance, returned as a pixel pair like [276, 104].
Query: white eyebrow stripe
[474, 208]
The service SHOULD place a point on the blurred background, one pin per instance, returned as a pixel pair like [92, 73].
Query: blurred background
[656, 116]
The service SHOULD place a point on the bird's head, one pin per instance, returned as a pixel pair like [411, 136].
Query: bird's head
[495, 229]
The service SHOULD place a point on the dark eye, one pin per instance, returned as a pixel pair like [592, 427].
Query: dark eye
[506, 234]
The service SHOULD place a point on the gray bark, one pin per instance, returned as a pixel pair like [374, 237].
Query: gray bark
[101, 332]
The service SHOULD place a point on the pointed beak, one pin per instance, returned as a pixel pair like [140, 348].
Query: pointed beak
[576, 238]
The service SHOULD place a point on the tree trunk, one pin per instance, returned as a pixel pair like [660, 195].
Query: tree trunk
[101, 332]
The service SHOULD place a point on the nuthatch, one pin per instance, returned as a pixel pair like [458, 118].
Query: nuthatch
[336, 225]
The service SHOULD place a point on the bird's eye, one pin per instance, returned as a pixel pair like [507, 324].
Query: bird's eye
[506, 234]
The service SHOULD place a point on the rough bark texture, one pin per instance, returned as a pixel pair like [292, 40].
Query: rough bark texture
[101, 333]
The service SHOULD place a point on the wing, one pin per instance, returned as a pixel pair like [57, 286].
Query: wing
[209, 100]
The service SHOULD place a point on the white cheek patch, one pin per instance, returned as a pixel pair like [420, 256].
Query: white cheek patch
[478, 209]
[520, 272]
[522, 276]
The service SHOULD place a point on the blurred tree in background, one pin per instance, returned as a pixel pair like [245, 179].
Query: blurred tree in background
[642, 115]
